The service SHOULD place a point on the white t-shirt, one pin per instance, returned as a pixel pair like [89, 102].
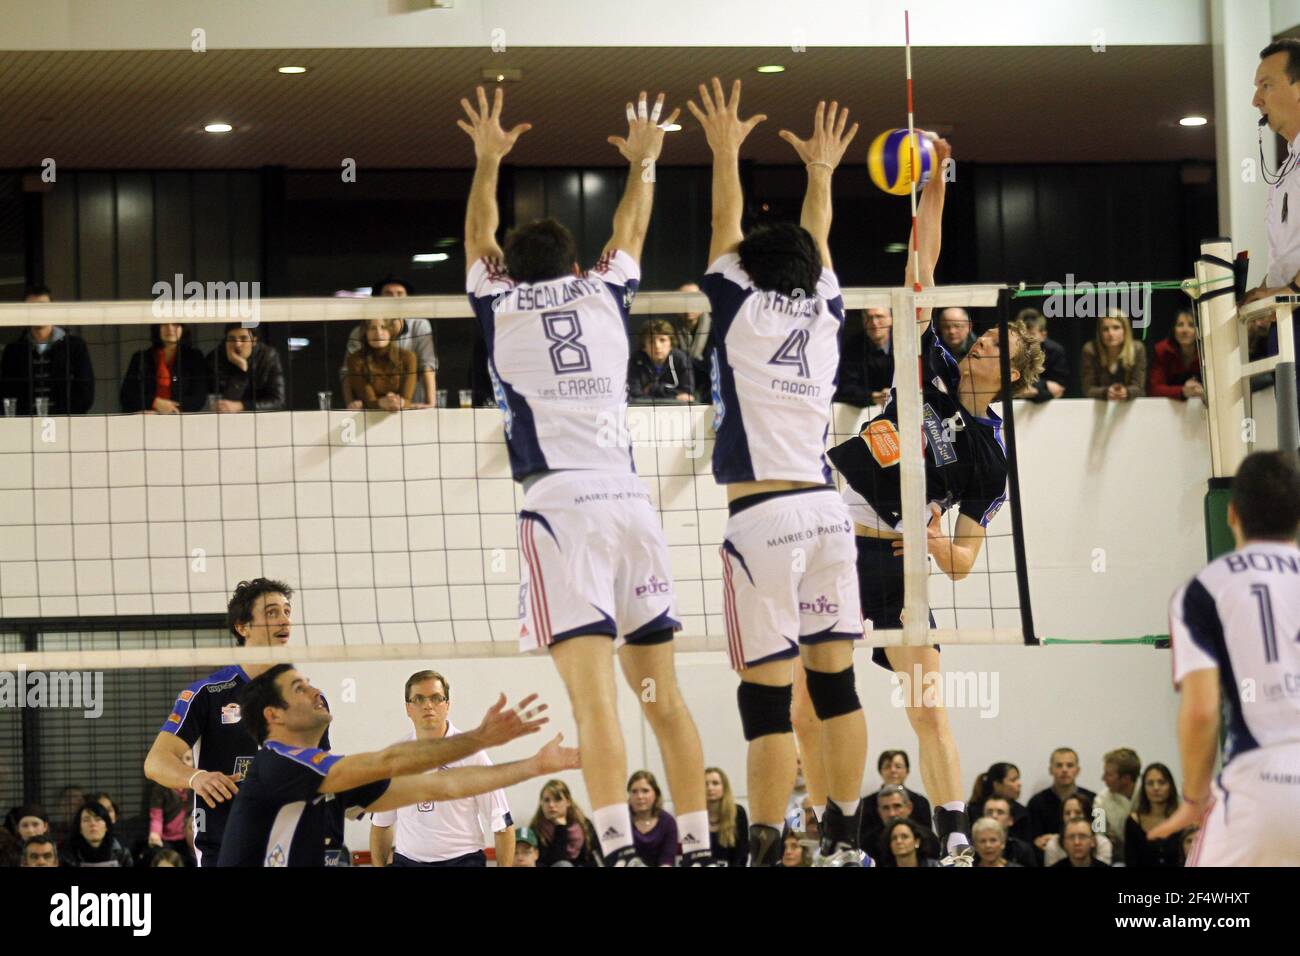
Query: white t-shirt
[1284, 236]
[445, 829]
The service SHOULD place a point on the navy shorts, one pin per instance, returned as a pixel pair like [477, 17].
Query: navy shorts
[880, 589]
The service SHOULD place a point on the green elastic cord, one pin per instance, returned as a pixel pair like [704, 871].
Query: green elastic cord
[1145, 639]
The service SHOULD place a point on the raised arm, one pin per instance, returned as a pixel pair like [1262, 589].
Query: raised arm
[471, 781]
[499, 726]
[491, 144]
[641, 148]
[929, 224]
[719, 117]
[821, 153]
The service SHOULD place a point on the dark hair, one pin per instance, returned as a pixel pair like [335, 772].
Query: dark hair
[155, 334]
[1191, 314]
[1142, 805]
[886, 856]
[166, 855]
[887, 755]
[1032, 318]
[655, 327]
[540, 250]
[15, 816]
[37, 288]
[1084, 801]
[101, 795]
[98, 810]
[378, 288]
[781, 257]
[653, 784]
[250, 329]
[419, 677]
[240, 608]
[1291, 47]
[984, 784]
[1266, 496]
[260, 693]
[36, 840]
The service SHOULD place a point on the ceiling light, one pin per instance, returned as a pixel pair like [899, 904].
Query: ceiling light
[1193, 121]
[218, 128]
[292, 69]
[770, 68]
[671, 127]
[430, 257]
[502, 74]
[896, 247]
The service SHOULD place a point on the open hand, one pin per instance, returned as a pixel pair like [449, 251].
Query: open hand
[553, 758]
[720, 117]
[645, 133]
[500, 725]
[828, 141]
[484, 126]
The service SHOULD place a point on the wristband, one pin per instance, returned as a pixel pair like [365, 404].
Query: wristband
[189, 784]
[1293, 287]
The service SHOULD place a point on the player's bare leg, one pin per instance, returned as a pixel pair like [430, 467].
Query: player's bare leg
[586, 665]
[831, 690]
[679, 741]
[808, 732]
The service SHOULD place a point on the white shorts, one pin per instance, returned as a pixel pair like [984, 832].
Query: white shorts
[1253, 808]
[789, 577]
[592, 560]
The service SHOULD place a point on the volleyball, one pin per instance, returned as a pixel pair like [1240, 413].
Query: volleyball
[890, 161]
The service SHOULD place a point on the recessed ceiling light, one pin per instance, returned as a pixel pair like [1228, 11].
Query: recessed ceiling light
[502, 74]
[1193, 121]
[292, 69]
[671, 127]
[770, 68]
[218, 128]
[430, 257]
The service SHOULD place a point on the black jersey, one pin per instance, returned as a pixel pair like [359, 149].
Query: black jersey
[280, 817]
[965, 455]
[206, 716]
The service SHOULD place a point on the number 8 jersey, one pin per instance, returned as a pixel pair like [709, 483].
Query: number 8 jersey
[558, 356]
[774, 364]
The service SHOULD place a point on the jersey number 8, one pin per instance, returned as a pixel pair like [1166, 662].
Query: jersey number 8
[568, 354]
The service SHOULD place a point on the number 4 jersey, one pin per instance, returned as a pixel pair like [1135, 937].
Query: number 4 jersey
[558, 356]
[774, 361]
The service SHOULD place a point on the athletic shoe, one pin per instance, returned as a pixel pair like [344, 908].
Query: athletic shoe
[962, 856]
[843, 855]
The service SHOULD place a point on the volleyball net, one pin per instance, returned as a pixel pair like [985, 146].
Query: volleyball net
[125, 534]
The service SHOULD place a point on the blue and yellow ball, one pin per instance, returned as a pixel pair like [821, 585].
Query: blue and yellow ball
[891, 160]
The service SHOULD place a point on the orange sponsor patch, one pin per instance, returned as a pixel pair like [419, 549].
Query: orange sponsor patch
[320, 757]
[882, 438]
[174, 719]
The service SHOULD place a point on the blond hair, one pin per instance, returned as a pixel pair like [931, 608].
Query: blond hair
[1128, 350]
[726, 810]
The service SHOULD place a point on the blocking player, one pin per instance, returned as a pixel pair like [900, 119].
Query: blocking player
[296, 792]
[1234, 626]
[594, 561]
[206, 718]
[789, 588]
[965, 465]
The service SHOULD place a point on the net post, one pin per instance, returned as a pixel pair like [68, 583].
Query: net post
[1225, 395]
[907, 391]
[1284, 383]
[1013, 472]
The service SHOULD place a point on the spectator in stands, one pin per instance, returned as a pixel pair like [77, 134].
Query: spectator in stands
[793, 852]
[867, 361]
[1257, 337]
[1016, 850]
[94, 844]
[903, 844]
[246, 374]
[1120, 770]
[168, 818]
[955, 331]
[1002, 780]
[1157, 799]
[1114, 365]
[565, 837]
[728, 822]
[990, 843]
[654, 829]
[168, 378]
[893, 767]
[525, 846]
[40, 850]
[658, 372]
[1074, 808]
[166, 857]
[46, 362]
[27, 821]
[381, 374]
[1189, 842]
[893, 802]
[1176, 365]
[105, 801]
[691, 335]
[415, 335]
[70, 800]
[1055, 379]
[1080, 846]
[1045, 806]
[11, 850]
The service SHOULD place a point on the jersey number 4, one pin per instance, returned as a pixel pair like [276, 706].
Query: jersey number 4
[793, 352]
[563, 331]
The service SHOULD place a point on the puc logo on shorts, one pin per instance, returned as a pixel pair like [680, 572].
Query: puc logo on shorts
[820, 606]
[653, 586]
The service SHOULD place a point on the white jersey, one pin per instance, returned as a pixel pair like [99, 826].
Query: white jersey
[774, 364]
[1241, 614]
[446, 829]
[558, 357]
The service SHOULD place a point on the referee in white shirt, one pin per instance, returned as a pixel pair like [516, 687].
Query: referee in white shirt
[446, 833]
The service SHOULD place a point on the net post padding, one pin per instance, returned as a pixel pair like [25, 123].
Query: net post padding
[1223, 336]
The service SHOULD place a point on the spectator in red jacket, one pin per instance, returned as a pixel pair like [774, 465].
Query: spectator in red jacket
[1176, 367]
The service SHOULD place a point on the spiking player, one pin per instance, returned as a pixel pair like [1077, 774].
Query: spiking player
[1234, 626]
[789, 588]
[965, 468]
[594, 561]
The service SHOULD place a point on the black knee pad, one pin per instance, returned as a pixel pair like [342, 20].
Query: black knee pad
[833, 695]
[764, 710]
